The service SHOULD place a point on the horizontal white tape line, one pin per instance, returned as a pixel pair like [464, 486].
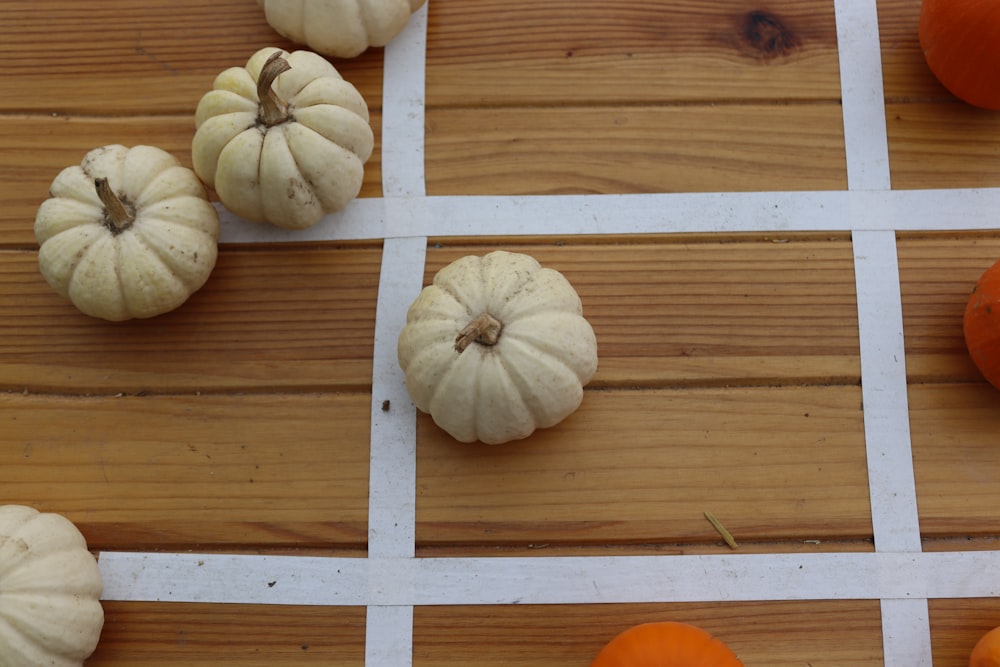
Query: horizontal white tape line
[297, 580]
[840, 210]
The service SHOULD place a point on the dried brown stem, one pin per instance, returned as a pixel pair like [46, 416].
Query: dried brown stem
[484, 329]
[118, 217]
[273, 110]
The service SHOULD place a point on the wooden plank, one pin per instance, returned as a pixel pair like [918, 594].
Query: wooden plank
[137, 57]
[295, 319]
[164, 633]
[643, 466]
[37, 148]
[905, 74]
[956, 626]
[587, 51]
[943, 145]
[705, 310]
[628, 149]
[935, 141]
[937, 273]
[777, 634]
[176, 472]
[955, 458]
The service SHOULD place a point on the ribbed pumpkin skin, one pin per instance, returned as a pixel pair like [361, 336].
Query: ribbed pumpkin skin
[50, 589]
[961, 43]
[981, 325]
[294, 171]
[531, 377]
[151, 267]
[336, 28]
[665, 644]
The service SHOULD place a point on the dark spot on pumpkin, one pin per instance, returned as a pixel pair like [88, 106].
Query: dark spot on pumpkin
[767, 35]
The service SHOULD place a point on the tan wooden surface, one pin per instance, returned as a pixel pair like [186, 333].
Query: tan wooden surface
[240, 422]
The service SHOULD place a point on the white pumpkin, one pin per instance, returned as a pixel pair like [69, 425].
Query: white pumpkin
[128, 233]
[496, 347]
[50, 590]
[283, 140]
[339, 28]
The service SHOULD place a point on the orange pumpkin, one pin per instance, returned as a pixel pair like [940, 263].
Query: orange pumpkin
[960, 40]
[986, 653]
[665, 644]
[981, 325]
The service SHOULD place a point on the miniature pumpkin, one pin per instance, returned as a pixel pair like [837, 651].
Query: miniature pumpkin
[336, 28]
[50, 590]
[986, 652]
[665, 644]
[128, 233]
[959, 39]
[282, 140]
[496, 347]
[981, 325]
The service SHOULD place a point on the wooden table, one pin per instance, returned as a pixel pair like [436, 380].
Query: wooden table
[743, 291]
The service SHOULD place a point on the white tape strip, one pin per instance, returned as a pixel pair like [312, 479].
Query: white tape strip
[883, 386]
[403, 110]
[392, 483]
[389, 636]
[865, 139]
[393, 475]
[906, 637]
[387, 582]
[905, 210]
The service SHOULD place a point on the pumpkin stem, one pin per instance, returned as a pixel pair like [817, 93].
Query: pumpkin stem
[273, 110]
[485, 330]
[117, 215]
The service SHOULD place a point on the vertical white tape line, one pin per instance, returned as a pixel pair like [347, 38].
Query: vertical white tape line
[895, 522]
[389, 631]
[883, 389]
[392, 474]
[403, 85]
[865, 140]
[906, 639]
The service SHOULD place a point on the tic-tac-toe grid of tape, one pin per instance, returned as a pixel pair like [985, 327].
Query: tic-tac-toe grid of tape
[390, 581]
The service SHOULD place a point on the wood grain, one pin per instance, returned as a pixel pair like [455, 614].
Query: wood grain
[943, 145]
[956, 626]
[937, 273]
[136, 57]
[662, 51]
[181, 472]
[704, 310]
[163, 634]
[770, 463]
[629, 149]
[935, 141]
[777, 634]
[267, 319]
[729, 377]
[955, 458]
[905, 74]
